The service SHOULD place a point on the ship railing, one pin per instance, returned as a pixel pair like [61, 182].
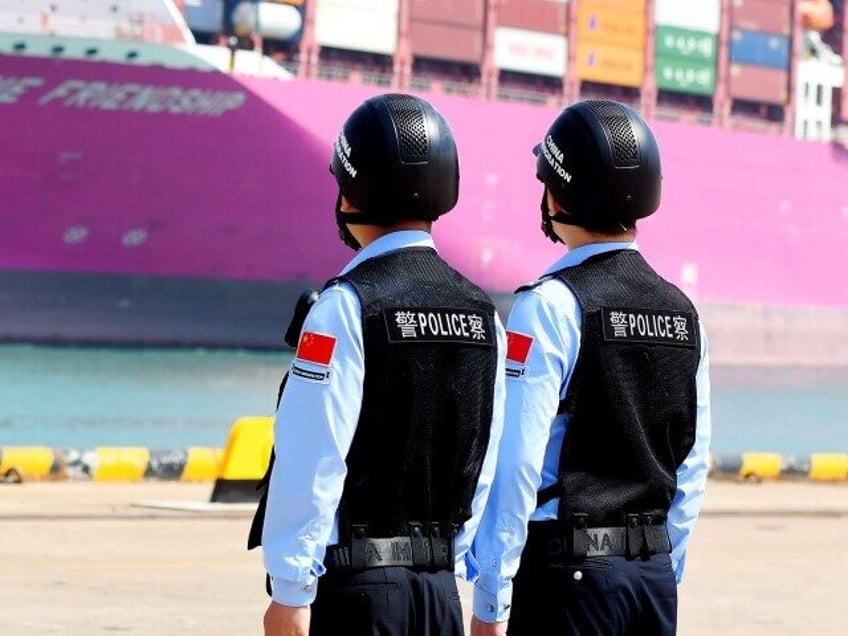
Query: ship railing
[666, 113]
[334, 73]
[374, 78]
[445, 87]
[526, 96]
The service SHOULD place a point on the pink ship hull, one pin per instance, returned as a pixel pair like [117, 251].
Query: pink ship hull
[100, 179]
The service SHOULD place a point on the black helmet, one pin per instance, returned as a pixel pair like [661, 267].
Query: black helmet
[601, 163]
[395, 159]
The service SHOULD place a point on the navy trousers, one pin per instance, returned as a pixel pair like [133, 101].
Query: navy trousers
[391, 601]
[598, 596]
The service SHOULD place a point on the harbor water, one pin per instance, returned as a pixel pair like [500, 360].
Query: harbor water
[81, 398]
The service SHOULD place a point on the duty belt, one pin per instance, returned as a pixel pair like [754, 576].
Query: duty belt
[642, 536]
[427, 546]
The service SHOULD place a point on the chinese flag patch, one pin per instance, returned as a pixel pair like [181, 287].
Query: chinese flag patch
[518, 346]
[316, 348]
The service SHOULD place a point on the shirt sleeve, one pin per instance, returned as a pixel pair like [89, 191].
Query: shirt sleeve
[314, 428]
[692, 473]
[535, 369]
[466, 566]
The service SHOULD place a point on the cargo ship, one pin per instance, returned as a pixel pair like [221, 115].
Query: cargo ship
[156, 189]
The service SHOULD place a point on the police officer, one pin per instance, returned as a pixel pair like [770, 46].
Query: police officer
[387, 429]
[607, 421]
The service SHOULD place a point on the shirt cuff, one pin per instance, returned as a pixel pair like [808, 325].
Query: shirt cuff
[294, 594]
[492, 608]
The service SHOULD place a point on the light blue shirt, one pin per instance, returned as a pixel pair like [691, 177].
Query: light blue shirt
[534, 433]
[314, 429]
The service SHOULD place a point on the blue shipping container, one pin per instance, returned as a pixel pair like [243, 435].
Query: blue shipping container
[760, 49]
[205, 16]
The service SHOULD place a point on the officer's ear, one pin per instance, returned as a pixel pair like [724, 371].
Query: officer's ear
[347, 206]
[554, 208]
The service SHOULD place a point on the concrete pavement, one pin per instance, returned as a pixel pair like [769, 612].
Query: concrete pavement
[81, 558]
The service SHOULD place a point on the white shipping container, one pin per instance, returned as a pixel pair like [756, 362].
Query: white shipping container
[530, 51]
[386, 6]
[277, 21]
[697, 15]
[342, 26]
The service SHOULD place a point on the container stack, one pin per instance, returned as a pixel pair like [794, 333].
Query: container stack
[760, 50]
[686, 45]
[611, 41]
[449, 30]
[530, 37]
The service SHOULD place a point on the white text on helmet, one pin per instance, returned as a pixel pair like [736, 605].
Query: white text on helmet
[554, 157]
[344, 143]
[342, 149]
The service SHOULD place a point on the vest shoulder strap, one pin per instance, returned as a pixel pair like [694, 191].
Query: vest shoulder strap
[533, 283]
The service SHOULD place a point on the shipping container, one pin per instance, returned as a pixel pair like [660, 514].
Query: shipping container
[697, 15]
[279, 21]
[533, 15]
[759, 84]
[761, 49]
[632, 6]
[685, 76]
[599, 23]
[610, 64]
[205, 16]
[762, 15]
[446, 42]
[530, 51]
[468, 13]
[692, 45]
[341, 25]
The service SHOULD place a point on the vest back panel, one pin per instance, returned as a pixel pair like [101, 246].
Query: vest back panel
[631, 400]
[430, 362]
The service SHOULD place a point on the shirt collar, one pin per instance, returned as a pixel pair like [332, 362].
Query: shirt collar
[389, 243]
[580, 254]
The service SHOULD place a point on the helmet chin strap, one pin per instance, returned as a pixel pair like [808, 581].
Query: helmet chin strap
[345, 234]
[547, 220]
[343, 219]
[565, 219]
[559, 217]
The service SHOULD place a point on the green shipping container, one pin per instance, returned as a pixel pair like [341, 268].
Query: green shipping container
[690, 45]
[685, 76]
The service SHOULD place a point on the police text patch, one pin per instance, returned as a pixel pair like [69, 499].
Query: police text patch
[438, 324]
[650, 326]
[308, 374]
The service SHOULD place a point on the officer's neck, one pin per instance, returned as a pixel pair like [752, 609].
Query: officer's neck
[367, 234]
[574, 236]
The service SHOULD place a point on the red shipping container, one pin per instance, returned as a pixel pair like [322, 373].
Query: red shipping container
[446, 41]
[470, 13]
[533, 15]
[759, 84]
[767, 16]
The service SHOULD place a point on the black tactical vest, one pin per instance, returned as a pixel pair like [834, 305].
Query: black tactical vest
[631, 400]
[430, 364]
